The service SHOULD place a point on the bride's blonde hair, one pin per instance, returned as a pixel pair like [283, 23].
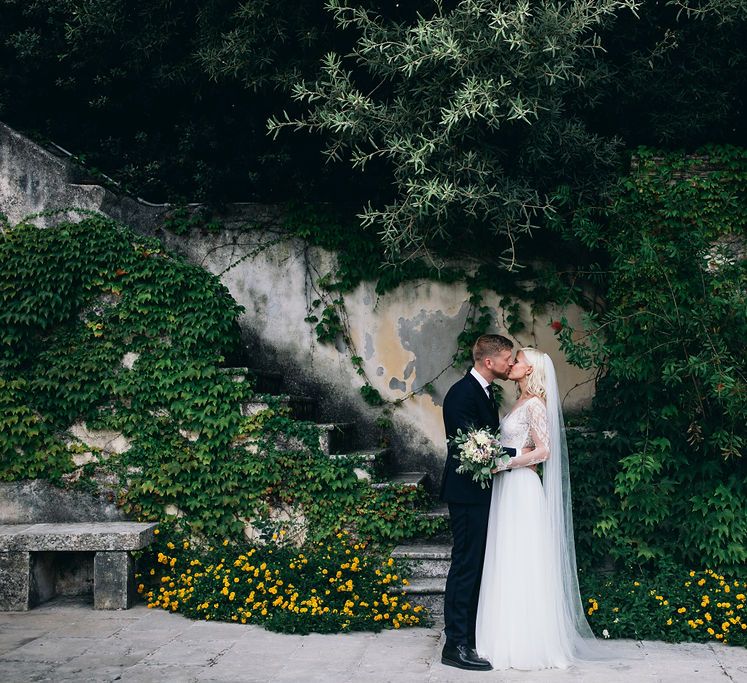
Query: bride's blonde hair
[536, 379]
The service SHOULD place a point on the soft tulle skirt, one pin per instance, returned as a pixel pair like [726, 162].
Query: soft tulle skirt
[519, 622]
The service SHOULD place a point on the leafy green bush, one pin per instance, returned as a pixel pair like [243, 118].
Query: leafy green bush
[594, 463]
[673, 605]
[670, 347]
[338, 585]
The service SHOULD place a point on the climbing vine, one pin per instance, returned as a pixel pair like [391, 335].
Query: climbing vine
[670, 347]
[361, 257]
[104, 327]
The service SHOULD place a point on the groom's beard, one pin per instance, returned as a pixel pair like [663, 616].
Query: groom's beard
[501, 375]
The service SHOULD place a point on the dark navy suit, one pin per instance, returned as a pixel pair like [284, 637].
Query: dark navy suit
[466, 406]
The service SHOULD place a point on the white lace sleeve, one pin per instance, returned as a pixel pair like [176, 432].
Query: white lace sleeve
[538, 429]
[538, 433]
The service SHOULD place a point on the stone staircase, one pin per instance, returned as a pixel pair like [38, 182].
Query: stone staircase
[428, 564]
[427, 560]
[337, 439]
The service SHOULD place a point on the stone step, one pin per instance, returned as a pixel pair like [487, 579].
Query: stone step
[426, 585]
[301, 407]
[264, 381]
[366, 462]
[336, 437]
[441, 515]
[426, 591]
[425, 560]
[439, 512]
[403, 479]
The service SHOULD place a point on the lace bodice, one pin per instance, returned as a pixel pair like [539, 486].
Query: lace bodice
[526, 425]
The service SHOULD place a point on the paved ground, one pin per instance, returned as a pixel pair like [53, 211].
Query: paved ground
[68, 641]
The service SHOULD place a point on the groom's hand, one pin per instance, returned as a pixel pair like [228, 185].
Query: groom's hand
[524, 450]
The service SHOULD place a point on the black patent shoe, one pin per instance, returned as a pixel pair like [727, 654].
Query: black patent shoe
[463, 657]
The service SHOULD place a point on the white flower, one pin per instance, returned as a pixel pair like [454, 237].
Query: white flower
[606, 633]
[482, 439]
[477, 449]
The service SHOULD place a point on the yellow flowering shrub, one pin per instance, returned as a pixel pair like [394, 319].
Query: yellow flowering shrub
[674, 605]
[341, 585]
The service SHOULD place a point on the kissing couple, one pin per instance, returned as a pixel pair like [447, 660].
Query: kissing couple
[512, 598]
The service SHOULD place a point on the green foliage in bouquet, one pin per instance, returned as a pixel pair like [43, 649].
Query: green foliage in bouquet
[479, 454]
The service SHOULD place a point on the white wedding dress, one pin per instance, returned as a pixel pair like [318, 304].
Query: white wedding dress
[530, 614]
[518, 624]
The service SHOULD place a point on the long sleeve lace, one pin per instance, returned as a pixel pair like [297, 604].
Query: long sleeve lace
[538, 437]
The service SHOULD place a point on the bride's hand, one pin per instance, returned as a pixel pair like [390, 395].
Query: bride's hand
[502, 467]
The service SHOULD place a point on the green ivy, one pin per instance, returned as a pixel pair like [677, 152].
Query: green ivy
[360, 254]
[182, 218]
[102, 325]
[29, 447]
[670, 349]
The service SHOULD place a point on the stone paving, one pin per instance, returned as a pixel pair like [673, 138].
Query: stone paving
[66, 640]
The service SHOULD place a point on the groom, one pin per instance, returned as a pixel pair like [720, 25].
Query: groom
[469, 405]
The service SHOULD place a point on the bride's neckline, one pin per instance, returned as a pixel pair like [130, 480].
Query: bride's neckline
[521, 402]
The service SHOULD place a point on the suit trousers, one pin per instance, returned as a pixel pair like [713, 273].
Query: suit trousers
[469, 528]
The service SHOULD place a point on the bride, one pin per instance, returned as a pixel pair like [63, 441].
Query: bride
[529, 614]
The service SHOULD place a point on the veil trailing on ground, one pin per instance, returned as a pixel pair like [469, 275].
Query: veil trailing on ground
[557, 486]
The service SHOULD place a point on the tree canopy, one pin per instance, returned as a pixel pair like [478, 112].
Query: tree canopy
[466, 117]
[477, 112]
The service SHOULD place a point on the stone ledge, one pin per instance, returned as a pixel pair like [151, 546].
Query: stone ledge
[80, 537]
[35, 501]
[423, 551]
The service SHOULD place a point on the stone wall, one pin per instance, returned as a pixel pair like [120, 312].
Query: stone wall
[34, 179]
[406, 338]
[35, 501]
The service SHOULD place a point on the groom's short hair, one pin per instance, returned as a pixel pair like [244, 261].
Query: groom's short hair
[489, 345]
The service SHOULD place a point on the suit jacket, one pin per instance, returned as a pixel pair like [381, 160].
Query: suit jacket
[466, 406]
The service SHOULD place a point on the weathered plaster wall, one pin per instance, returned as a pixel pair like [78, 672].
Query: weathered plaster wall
[406, 338]
[34, 179]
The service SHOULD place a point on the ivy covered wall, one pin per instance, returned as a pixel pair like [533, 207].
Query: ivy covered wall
[398, 346]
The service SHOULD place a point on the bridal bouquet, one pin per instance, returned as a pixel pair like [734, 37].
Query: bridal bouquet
[480, 452]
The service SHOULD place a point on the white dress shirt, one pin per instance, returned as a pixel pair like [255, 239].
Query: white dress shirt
[483, 382]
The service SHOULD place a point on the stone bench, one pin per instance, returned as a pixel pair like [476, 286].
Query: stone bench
[27, 570]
